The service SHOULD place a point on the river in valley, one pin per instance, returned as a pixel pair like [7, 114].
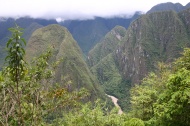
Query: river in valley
[114, 100]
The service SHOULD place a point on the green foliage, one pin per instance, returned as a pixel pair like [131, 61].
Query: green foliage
[41, 100]
[94, 115]
[173, 104]
[144, 96]
[134, 122]
[184, 61]
[15, 70]
[16, 64]
[164, 98]
[97, 115]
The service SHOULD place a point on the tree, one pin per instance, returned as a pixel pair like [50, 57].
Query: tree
[16, 68]
[145, 95]
[172, 107]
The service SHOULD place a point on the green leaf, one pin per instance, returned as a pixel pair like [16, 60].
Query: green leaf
[8, 43]
[23, 40]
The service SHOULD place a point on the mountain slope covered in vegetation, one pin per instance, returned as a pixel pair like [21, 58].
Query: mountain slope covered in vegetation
[72, 69]
[152, 38]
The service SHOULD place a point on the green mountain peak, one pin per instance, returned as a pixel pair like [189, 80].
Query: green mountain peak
[73, 67]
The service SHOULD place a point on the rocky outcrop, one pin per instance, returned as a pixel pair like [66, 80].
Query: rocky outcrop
[152, 38]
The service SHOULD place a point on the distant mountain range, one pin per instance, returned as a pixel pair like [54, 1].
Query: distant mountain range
[29, 24]
[88, 32]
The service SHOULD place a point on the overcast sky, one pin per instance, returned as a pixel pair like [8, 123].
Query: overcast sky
[76, 9]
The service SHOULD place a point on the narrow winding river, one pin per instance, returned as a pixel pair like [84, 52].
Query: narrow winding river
[114, 100]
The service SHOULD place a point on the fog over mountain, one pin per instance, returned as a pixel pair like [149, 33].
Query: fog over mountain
[76, 9]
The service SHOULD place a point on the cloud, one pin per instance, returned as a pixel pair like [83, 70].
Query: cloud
[75, 9]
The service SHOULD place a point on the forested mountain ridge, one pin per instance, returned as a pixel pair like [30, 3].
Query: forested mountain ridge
[72, 67]
[168, 7]
[152, 38]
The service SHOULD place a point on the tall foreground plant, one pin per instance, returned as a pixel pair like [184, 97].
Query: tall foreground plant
[16, 65]
[16, 52]
[28, 94]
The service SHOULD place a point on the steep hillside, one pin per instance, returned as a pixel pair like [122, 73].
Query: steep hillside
[73, 67]
[152, 38]
[177, 7]
[107, 45]
[185, 16]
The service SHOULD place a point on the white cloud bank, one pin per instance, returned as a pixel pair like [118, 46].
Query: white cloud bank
[76, 9]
